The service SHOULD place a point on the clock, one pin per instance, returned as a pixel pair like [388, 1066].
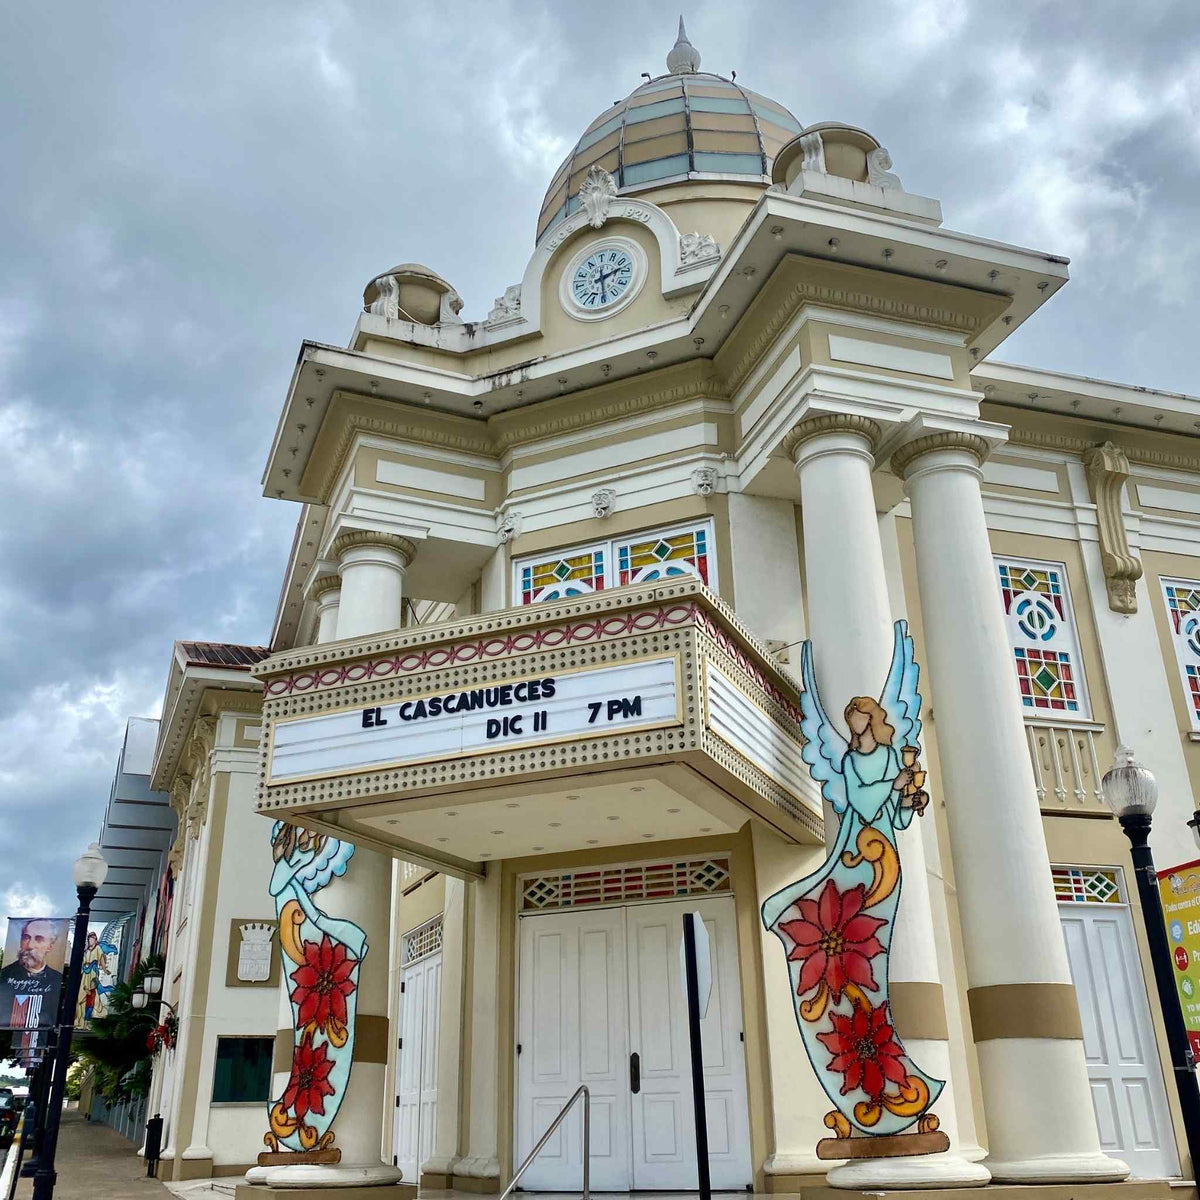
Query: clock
[603, 278]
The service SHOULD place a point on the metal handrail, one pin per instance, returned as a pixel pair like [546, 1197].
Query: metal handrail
[581, 1090]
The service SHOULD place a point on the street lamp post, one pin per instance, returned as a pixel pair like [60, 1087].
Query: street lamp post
[1131, 791]
[90, 870]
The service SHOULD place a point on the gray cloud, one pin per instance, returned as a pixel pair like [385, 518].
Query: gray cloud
[189, 192]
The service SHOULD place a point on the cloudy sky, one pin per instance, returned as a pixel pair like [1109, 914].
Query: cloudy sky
[190, 190]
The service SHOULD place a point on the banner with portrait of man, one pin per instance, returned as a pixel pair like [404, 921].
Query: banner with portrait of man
[31, 977]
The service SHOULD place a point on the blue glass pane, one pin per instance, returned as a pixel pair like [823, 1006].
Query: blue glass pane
[572, 204]
[648, 112]
[776, 118]
[601, 131]
[730, 164]
[660, 168]
[712, 104]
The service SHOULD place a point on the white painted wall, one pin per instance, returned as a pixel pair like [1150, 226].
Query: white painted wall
[766, 568]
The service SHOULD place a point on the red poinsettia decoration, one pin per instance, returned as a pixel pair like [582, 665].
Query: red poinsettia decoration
[322, 984]
[835, 940]
[309, 1083]
[865, 1051]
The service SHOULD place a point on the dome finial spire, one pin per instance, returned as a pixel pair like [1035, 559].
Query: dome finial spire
[684, 58]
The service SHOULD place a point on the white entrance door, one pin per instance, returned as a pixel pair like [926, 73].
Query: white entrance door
[416, 1065]
[1128, 1091]
[664, 1124]
[598, 987]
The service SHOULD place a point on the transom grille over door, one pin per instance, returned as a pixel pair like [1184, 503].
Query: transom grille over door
[601, 1002]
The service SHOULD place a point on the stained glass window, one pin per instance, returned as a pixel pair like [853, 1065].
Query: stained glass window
[1045, 644]
[681, 550]
[664, 554]
[1183, 612]
[573, 573]
[1086, 885]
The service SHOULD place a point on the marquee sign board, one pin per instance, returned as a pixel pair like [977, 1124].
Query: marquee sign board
[658, 678]
[504, 715]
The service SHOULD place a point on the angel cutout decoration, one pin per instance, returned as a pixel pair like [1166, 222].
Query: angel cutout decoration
[836, 924]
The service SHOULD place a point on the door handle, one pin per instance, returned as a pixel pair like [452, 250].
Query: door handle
[635, 1073]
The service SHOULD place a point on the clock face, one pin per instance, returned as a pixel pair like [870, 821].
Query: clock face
[602, 278]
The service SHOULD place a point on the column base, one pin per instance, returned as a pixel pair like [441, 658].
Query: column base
[318, 1175]
[1139, 1189]
[257, 1175]
[917, 1171]
[1065, 1168]
[390, 1191]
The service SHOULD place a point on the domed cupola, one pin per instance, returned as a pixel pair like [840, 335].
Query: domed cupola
[683, 126]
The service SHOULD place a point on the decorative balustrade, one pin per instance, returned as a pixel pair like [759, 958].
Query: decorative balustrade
[1066, 766]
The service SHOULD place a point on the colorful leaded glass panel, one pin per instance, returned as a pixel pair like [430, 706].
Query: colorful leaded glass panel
[576, 573]
[663, 555]
[1183, 612]
[1086, 885]
[1045, 645]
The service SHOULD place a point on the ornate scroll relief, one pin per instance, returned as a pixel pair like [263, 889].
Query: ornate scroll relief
[322, 958]
[387, 302]
[603, 502]
[1107, 469]
[879, 170]
[508, 305]
[451, 306]
[596, 192]
[508, 526]
[697, 248]
[836, 924]
[813, 151]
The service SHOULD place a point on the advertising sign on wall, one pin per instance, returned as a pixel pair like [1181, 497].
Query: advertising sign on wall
[1179, 888]
[35, 953]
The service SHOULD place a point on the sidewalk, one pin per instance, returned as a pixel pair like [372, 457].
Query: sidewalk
[95, 1162]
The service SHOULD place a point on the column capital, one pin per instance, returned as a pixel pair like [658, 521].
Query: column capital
[324, 584]
[906, 455]
[812, 427]
[352, 539]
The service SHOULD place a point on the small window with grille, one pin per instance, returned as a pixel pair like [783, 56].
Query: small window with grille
[635, 883]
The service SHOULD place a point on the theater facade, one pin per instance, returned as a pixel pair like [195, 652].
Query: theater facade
[536, 658]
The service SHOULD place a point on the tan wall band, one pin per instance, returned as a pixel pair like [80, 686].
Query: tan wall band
[370, 1038]
[281, 1060]
[1024, 1010]
[370, 1043]
[918, 1011]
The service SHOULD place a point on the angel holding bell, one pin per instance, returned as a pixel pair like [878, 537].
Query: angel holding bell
[836, 924]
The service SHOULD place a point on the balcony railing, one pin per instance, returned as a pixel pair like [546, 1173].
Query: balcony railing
[1066, 766]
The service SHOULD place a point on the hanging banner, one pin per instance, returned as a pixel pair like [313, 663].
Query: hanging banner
[1179, 888]
[101, 956]
[35, 954]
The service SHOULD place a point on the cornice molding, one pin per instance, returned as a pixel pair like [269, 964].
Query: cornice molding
[813, 427]
[1107, 469]
[404, 423]
[1072, 444]
[591, 407]
[852, 299]
[907, 454]
[354, 538]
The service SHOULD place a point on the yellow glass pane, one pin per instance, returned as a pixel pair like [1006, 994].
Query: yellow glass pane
[654, 97]
[725, 143]
[671, 123]
[732, 122]
[651, 148]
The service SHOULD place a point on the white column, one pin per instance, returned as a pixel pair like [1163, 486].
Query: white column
[372, 568]
[281, 1065]
[481, 1160]
[850, 623]
[327, 592]
[1037, 1101]
[450, 1066]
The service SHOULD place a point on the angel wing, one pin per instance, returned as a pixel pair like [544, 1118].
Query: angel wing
[824, 747]
[900, 698]
[332, 859]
